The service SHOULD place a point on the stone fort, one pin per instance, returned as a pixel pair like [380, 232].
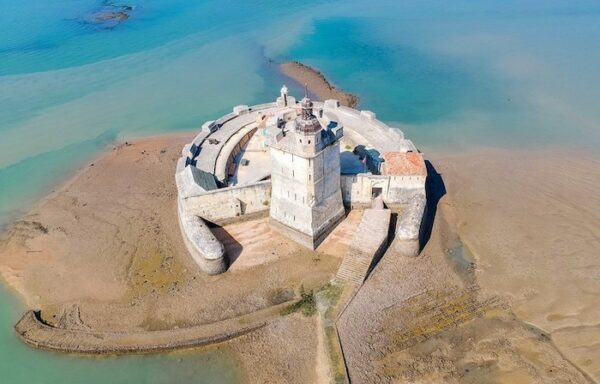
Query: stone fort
[303, 163]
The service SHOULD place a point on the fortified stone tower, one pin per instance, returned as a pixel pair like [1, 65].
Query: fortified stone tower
[306, 200]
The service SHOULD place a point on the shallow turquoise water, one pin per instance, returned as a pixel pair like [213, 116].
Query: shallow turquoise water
[21, 364]
[455, 75]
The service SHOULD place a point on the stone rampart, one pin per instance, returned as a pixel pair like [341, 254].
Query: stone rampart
[378, 134]
[223, 204]
[206, 250]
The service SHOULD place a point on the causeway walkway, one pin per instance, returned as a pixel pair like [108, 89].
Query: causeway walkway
[35, 332]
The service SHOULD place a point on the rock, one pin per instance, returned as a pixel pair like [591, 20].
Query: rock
[106, 16]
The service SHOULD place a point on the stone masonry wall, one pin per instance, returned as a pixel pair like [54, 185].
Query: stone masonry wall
[396, 190]
[226, 203]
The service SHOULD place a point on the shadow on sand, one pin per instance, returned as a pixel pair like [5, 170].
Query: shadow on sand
[435, 190]
[233, 249]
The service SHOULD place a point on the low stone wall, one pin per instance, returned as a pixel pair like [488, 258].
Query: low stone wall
[223, 204]
[36, 333]
[206, 250]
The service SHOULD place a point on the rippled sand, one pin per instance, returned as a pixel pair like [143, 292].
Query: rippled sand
[532, 222]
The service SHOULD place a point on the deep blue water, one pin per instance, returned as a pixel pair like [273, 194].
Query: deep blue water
[453, 75]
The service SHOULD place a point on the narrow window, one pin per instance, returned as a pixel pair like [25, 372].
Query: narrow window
[308, 141]
[300, 141]
[309, 177]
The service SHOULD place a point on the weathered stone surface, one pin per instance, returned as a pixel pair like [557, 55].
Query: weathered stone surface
[33, 331]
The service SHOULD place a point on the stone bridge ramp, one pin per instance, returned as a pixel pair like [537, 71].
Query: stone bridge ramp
[368, 243]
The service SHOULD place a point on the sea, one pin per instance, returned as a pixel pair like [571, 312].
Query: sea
[78, 75]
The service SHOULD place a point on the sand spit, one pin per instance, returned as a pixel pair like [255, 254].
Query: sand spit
[317, 83]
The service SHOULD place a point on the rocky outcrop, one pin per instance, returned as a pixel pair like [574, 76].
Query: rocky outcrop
[110, 15]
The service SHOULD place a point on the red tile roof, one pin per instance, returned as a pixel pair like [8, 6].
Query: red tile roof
[403, 164]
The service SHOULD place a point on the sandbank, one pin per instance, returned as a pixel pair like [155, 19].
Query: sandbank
[316, 83]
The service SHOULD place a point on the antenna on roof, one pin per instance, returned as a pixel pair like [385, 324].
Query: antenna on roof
[306, 90]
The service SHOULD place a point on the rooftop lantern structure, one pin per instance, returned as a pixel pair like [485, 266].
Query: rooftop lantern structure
[307, 123]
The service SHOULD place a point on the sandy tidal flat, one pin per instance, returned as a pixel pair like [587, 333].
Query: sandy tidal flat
[105, 252]
[531, 221]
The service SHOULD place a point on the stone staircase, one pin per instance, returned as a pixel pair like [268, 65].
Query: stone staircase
[355, 267]
[370, 239]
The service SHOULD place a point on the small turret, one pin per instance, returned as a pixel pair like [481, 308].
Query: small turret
[285, 100]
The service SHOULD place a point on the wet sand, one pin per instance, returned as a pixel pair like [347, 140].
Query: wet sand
[531, 221]
[505, 290]
[104, 253]
[106, 247]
